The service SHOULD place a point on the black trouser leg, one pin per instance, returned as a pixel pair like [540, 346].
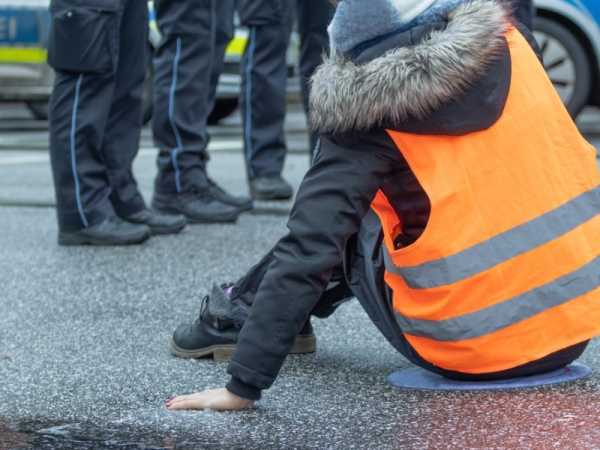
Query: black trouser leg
[123, 130]
[365, 271]
[524, 12]
[83, 51]
[264, 82]
[313, 19]
[225, 30]
[183, 66]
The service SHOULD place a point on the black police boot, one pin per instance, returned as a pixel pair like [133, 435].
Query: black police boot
[213, 334]
[157, 222]
[198, 206]
[112, 231]
[270, 188]
[241, 202]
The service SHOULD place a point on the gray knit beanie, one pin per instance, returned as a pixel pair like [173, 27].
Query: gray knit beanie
[359, 21]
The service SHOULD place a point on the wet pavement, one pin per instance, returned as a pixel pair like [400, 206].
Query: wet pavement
[84, 362]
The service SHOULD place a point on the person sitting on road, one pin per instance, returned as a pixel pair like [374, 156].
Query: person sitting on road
[452, 195]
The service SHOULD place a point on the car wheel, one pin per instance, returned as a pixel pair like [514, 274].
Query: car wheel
[224, 107]
[38, 109]
[566, 62]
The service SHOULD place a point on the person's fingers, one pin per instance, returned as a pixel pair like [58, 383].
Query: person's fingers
[174, 399]
[192, 401]
[177, 401]
[186, 403]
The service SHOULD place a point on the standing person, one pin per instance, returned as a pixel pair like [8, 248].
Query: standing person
[466, 226]
[264, 80]
[98, 51]
[184, 64]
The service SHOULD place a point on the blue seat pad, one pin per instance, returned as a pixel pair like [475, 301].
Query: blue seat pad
[420, 379]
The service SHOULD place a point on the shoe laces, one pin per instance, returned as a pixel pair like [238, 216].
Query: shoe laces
[228, 289]
[204, 314]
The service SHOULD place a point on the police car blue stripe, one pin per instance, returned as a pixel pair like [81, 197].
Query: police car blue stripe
[74, 151]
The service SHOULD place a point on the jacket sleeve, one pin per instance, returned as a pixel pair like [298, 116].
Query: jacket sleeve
[333, 198]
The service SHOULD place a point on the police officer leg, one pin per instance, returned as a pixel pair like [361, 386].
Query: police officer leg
[79, 107]
[225, 31]
[313, 19]
[264, 82]
[124, 125]
[122, 138]
[182, 68]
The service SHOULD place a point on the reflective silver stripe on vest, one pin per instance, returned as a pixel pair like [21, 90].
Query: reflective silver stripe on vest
[509, 312]
[500, 248]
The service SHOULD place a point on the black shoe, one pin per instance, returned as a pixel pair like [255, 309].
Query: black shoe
[157, 222]
[270, 188]
[242, 203]
[113, 231]
[196, 206]
[216, 335]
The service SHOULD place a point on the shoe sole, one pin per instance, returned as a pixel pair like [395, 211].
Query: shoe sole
[224, 352]
[225, 218]
[271, 197]
[167, 230]
[245, 208]
[74, 241]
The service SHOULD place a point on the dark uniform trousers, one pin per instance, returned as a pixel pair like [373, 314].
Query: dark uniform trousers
[524, 12]
[183, 66]
[224, 33]
[98, 50]
[264, 73]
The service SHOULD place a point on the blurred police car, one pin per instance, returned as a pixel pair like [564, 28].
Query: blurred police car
[24, 74]
[568, 32]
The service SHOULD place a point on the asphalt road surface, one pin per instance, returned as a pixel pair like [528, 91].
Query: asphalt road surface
[84, 361]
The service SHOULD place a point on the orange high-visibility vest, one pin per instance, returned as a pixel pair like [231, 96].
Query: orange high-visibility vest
[507, 269]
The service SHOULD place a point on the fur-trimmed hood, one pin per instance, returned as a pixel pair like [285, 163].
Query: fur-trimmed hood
[413, 81]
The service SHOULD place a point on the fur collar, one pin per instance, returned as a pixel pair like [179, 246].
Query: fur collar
[409, 82]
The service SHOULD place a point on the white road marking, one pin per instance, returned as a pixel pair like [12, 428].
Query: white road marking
[215, 145]
[229, 144]
[15, 160]
[10, 158]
